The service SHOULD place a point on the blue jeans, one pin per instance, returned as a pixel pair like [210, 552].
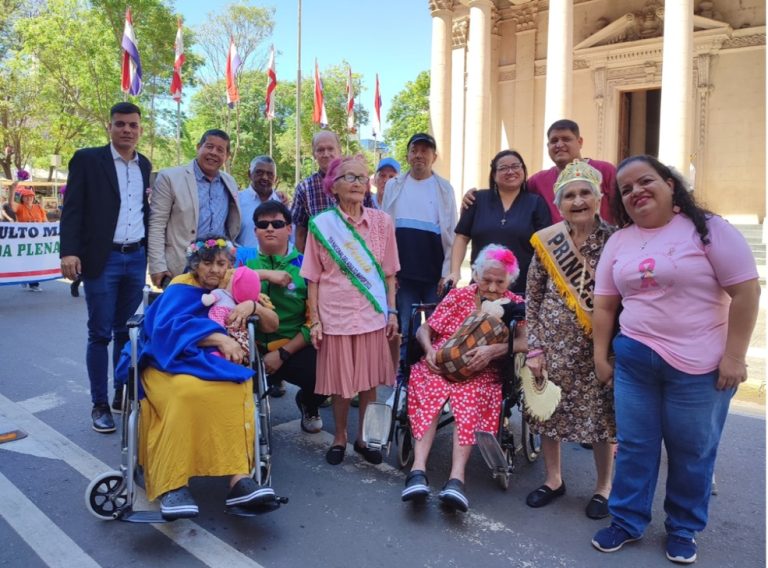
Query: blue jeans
[411, 292]
[655, 402]
[112, 298]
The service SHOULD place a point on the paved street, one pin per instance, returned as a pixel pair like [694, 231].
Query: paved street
[344, 516]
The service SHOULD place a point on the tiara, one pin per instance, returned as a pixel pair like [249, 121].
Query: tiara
[197, 246]
[579, 170]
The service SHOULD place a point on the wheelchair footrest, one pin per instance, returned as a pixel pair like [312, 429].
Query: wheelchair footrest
[491, 450]
[143, 517]
[377, 423]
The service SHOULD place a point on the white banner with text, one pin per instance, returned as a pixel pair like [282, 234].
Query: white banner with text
[29, 252]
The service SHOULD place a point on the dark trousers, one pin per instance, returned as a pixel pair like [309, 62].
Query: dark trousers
[112, 297]
[411, 292]
[300, 370]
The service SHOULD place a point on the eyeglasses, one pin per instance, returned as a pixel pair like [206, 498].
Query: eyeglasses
[352, 178]
[509, 168]
[276, 224]
[264, 173]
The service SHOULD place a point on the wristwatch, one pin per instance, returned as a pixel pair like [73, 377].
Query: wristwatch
[284, 355]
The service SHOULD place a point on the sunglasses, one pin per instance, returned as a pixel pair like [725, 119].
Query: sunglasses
[276, 224]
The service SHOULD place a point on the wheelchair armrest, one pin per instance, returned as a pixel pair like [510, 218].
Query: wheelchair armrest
[135, 321]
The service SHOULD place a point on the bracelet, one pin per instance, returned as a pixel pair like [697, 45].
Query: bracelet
[315, 324]
[255, 303]
[392, 311]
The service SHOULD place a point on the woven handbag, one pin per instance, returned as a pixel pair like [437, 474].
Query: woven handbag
[477, 330]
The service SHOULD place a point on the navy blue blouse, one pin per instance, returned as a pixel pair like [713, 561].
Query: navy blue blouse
[486, 222]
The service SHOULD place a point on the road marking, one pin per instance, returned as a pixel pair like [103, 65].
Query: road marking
[187, 534]
[40, 403]
[42, 535]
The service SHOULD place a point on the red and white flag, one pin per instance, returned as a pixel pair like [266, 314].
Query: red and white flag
[350, 102]
[376, 109]
[269, 111]
[319, 116]
[131, 68]
[233, 64]
[177, 63]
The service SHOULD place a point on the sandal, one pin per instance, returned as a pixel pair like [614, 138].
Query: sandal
[369, 455]
[335, 455]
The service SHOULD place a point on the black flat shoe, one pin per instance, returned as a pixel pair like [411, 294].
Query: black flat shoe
[597, 508]
[369, 455]
[335, 455]
[416, 486]
[102, 419]
[544, 496]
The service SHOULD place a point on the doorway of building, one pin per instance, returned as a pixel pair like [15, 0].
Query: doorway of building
[639, 123]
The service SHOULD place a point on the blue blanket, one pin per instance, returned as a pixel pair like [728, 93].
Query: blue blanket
[168, 341]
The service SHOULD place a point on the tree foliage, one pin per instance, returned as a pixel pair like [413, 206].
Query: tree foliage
[409, 114]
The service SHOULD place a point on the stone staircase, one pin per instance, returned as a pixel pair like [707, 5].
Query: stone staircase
[754, 235]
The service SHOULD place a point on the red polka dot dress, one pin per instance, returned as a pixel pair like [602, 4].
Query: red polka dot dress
[475, 403]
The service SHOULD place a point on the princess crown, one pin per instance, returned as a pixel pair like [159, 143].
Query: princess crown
[579, 170]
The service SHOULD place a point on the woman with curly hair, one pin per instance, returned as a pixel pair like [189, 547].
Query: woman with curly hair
[688, 285]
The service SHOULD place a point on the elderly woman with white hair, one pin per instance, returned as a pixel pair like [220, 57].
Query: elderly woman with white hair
[475, 402]
[559, 302]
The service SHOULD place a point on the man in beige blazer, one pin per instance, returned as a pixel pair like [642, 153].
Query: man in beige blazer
[191, 202]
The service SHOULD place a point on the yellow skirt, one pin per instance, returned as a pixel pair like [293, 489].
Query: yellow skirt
[190, 427]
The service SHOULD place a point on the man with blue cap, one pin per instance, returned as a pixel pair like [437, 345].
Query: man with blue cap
[386, 170]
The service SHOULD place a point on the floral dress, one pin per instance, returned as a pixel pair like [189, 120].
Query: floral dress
[585, 412]
[475, 403]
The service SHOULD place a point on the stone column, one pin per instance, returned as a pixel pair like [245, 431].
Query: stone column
[523, 138]
[440, 82]
[478, 113]
[676, 84]
[557, 100]
[458, 104]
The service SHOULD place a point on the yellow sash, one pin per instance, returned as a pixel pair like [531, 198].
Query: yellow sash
[569, 270]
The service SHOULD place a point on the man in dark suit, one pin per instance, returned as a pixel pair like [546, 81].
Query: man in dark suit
[103, 238]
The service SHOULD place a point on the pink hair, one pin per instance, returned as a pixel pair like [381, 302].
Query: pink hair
[500, 254]
[333, 171]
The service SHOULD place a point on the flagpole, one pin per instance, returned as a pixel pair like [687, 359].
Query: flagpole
[270, 137]
[298, 98]
[178, 132]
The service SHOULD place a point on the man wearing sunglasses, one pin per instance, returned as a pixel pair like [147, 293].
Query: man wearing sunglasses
[288, 353]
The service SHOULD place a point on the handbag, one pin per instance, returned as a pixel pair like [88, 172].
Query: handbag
[477, 330]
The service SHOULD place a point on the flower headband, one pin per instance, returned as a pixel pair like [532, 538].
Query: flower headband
[506, 257]
[197, 246]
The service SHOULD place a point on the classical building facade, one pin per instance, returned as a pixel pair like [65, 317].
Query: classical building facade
[681, 79]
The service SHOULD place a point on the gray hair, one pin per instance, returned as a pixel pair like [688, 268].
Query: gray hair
[496, 255]
[260, 160]
[321, 133]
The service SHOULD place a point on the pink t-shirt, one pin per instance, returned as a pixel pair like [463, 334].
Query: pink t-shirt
[543, 183]
[672, 287]
[343, 309]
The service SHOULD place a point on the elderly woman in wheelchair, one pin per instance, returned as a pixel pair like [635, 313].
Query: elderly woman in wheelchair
[197, 415]
[475, 400]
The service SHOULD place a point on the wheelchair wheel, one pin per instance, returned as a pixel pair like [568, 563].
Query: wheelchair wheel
[531, 442]
[106, 495]
[404, 441]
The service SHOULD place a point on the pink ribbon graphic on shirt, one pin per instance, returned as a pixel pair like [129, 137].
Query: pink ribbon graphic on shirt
[646, 273]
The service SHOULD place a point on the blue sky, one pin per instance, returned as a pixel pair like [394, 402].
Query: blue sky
[392, 38]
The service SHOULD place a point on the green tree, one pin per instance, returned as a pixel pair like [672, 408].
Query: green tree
[409, 114]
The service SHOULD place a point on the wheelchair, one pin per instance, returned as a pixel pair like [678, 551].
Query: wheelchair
[113, 494]
[499, 450]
